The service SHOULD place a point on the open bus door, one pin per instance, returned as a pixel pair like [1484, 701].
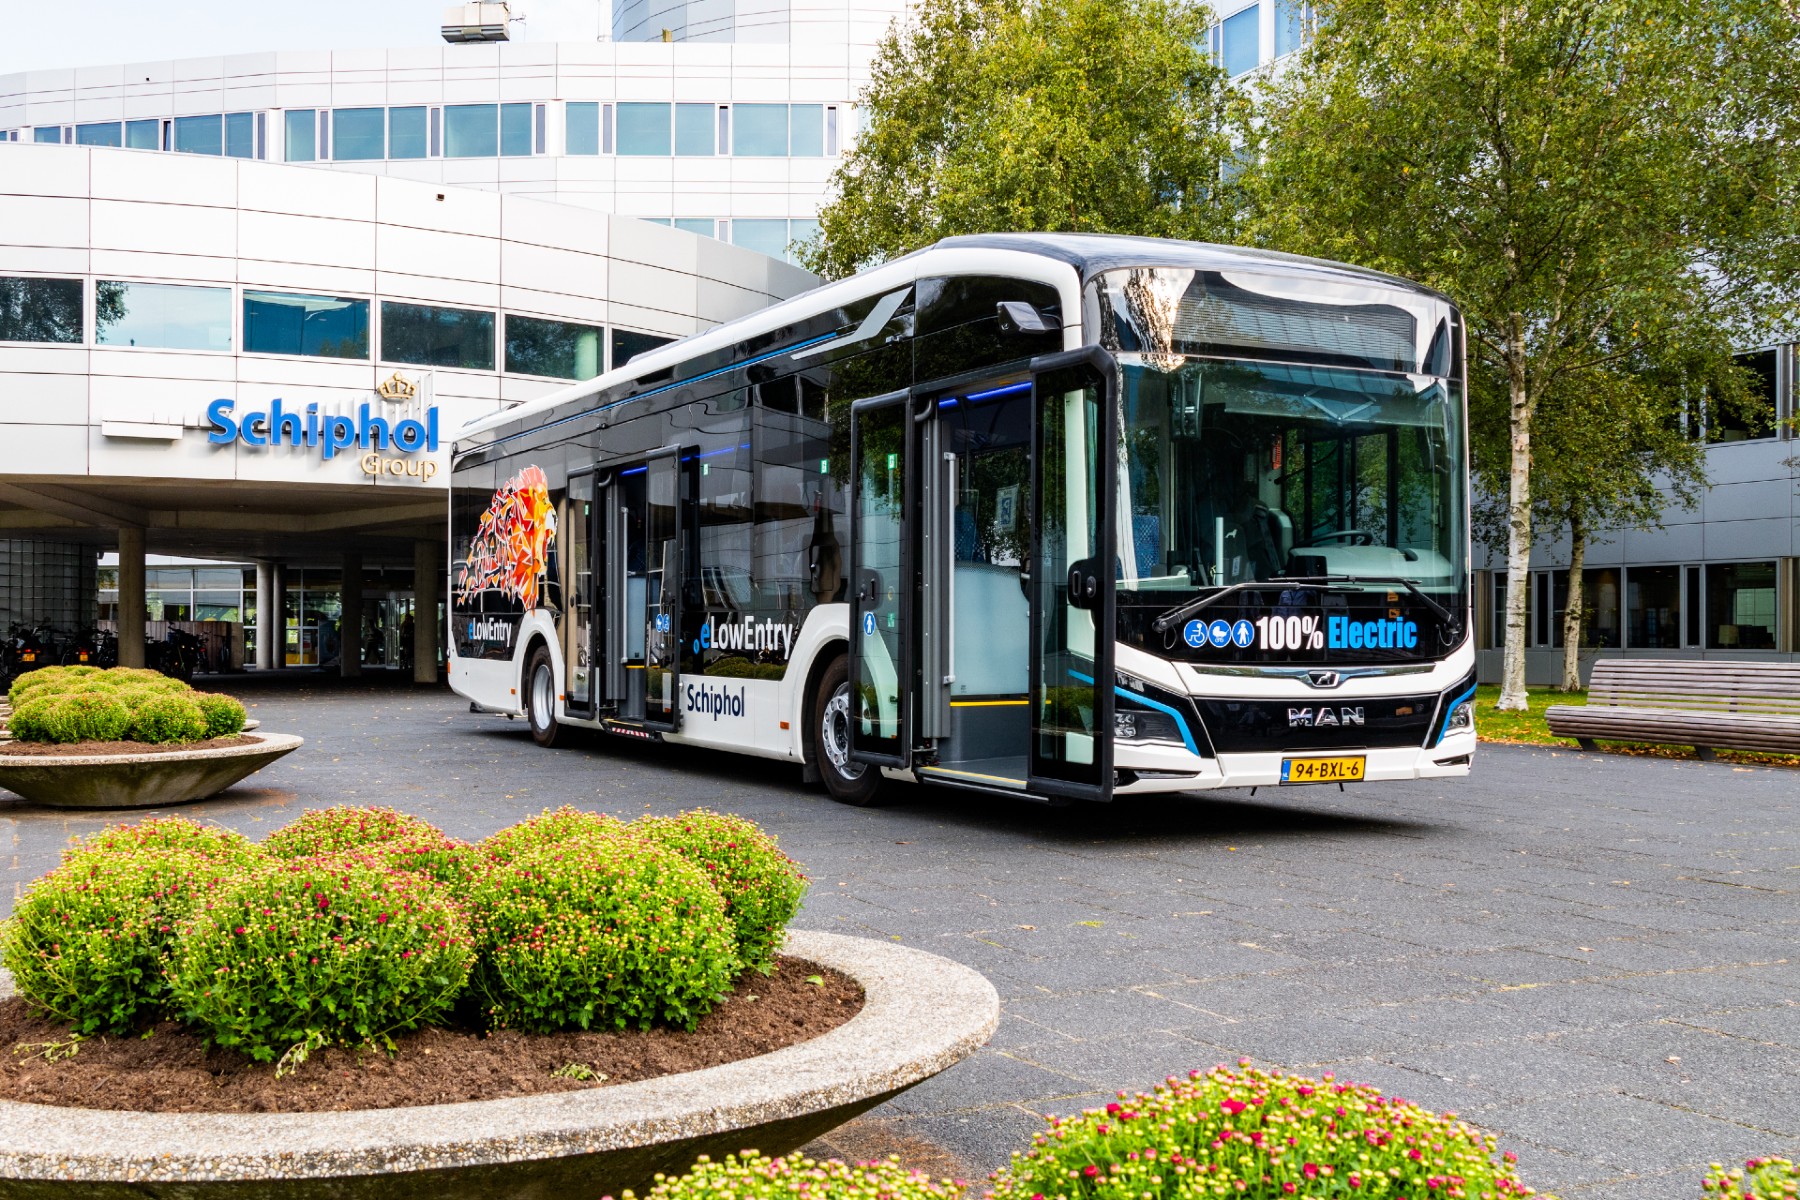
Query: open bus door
[641, 513]
[982, 580]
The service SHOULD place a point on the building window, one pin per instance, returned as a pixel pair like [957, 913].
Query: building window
[437, 337]
[164, 316]
[705, 226]
[40, 310]
[581, 128]
[471, 130]
[297, 323]
[516, 136]
[408, 131]
[1758, 419]
[1241, 35]
[627, 345]
[104, 133]
[358, 134]
[694, 124]
[760, 130]
[1291, 20]
[643, 129]
[301, 135]
[806, 125]
[49, 135]
[556, 349]
[1653, 608]
[200, 135]
[831, 131]
[800, 233]
[1599, 608]
[240, 135]
[1740, 606]
[142, 135]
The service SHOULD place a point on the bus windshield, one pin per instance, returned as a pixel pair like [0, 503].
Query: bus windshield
[1239, 471]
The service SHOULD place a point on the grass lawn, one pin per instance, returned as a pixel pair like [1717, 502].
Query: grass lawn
[1529, 727]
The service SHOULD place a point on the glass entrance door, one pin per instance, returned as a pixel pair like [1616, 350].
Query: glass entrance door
[578, 617]
[880, 582]
[640, 516]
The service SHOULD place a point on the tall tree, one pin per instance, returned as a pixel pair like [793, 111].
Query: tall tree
[1007, 115]
[1564, 169]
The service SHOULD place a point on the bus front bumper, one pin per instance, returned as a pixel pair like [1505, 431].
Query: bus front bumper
[1153, 768]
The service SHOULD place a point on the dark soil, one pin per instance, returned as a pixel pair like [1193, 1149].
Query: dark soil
[172, 1071]
[62, 749]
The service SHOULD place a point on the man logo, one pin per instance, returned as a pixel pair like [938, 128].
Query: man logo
[1305, 718]
[397, 388]
[1324, 679]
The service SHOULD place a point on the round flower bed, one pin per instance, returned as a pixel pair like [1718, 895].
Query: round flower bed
[91, 704]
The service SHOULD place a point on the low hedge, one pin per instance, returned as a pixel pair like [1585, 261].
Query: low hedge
[87, 704]
[761, 886]
[750, 1176]
[551, 827]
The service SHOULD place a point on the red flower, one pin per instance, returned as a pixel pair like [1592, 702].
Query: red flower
[1232, 1107]
[1091, 1171]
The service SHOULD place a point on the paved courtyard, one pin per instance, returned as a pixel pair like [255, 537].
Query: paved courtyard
[1596, 957]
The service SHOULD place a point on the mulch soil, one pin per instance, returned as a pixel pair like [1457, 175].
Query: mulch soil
[63, 749]
[172, 1071]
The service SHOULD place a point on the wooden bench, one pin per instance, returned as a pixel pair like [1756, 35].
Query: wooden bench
[1707, 704]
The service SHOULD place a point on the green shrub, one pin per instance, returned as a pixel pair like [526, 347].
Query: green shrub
[449, 861]
[750, 1176]
[761, 886]
[320, 951]
[89, 943]
[34, 719]
[346, 827]
[46, 679]
[552, 827]
[600, 932]
[224, 715]
[162, 719]
[1257, 1134]
[1758, 1179]
[212, 842]
[92, 717]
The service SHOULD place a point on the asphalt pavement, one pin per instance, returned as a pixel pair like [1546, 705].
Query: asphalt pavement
[1596, 957]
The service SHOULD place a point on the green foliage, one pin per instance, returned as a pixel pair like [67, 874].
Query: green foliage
[750, 1176]
[46, 677]
[224, 715]
[214, 843]
[447, 860]
[1103, 116]
[737, 667]
[551, 827]
[168, 719]
[600, 932]
[89, 942]
[1260, 1135]
[346, 827]
[1758, 1179]
[319, 951]
[762, 887]
[34, 719]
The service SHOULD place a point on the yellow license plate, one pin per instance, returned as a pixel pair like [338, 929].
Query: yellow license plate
[1322, 770]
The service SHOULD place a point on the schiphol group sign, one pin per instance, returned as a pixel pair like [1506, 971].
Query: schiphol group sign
[384, 446]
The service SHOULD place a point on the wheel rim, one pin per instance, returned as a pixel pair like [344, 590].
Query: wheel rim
[834, 734]
[541, 683]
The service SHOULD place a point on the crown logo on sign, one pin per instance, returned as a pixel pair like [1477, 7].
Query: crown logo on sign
[397, 388]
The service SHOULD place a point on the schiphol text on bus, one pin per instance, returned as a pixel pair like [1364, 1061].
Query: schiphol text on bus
[331, 431]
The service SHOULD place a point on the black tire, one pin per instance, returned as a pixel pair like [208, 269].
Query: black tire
[539, 697]
[828, 723]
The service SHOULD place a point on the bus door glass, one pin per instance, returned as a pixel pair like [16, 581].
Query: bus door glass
[1073, 565]
[640, 620]
[578, 629]
[880, 653]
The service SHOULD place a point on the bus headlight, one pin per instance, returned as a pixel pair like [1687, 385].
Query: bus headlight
[1134, 725]
[1462, 717]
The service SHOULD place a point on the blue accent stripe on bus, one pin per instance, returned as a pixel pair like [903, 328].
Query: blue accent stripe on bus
[1180, 721]
[635, 471]
[1448, 709]
[991, 393]
[748, 362]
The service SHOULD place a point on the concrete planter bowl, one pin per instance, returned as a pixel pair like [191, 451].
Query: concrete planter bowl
[139, 780]
[922, 1013]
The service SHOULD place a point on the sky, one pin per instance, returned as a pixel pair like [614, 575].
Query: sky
[49, 34]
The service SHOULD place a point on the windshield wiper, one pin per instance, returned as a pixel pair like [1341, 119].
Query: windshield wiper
[1184, 612]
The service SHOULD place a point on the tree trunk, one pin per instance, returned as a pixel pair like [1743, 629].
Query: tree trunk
[1518, 520]
[1571, 672]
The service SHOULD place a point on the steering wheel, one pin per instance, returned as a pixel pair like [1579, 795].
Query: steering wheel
[1354, 537]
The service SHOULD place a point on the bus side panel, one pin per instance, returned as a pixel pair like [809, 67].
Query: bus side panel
[824, 635]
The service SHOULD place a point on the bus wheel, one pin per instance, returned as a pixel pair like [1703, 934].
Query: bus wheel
[540, 698]
[848, 782]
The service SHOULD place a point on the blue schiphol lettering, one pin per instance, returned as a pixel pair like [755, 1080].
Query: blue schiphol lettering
[1341, 633]
[714, 702]
[330, 432]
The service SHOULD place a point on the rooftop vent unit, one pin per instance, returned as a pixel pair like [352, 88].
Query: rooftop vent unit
[476, 22]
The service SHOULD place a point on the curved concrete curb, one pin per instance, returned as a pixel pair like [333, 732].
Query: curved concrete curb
[922, 1013]
[139, 780]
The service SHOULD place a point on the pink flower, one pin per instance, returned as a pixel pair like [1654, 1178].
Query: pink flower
[1310, 1171]
[1232, 1107]
[1091, 1171]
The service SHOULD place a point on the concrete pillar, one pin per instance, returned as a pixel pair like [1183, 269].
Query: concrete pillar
[265, 616]
[131, 596]
[425, 604]
[351, 622]
[278, 610]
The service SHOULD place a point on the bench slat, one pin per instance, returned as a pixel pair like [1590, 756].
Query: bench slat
[1707, 703]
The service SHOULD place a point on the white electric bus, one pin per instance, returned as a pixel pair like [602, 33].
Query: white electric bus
[1058, 516]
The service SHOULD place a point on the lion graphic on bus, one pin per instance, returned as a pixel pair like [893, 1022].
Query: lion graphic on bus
[514, 542]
